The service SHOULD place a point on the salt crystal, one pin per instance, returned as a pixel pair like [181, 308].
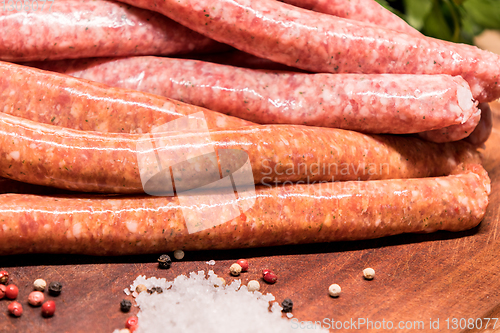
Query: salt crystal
[211, 262]
[126, 291]
[289, 315]
[193, 304]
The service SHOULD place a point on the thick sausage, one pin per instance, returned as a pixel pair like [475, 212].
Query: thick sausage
[79, 29]
[324, 43]
[376, 103]
[42, 154]
[65, 101]
[359, 10]
[282, 215]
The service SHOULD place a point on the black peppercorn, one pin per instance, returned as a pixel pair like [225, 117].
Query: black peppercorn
[55, 288]
[125, 305]
[158, 290]
[164, 261]
[287, 305]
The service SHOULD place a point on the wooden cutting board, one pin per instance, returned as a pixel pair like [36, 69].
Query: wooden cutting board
[419, 278]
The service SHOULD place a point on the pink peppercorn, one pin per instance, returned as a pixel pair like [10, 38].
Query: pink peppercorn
[265, 271]
[244, 264]
[11, 292]
[36, 298]
[270, 277]
[15, 308]
[4, 277]
[3, 288]
[48, 308]
[132, 323]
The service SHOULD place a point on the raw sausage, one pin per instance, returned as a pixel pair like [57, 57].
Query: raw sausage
[48, 155]
[79, 29]
[376, 103]
[359, 10]
[454, 132]
[282, 215]
[324, 43]
[61, 100]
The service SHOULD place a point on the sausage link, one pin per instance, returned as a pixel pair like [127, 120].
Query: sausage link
[360, 10]
[324, 43]
[454, 132]
[61, 100]
[475, 131]
[80, 29]
[48, 155]
[282, 215]
[374, 103]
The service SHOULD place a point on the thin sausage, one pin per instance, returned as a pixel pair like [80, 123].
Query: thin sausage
[359, 10]
[282, 215]
[324, 43]
[79, 29]
[48, 155]
[376, 103]
[61, 100]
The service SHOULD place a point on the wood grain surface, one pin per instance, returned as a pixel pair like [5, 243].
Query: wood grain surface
[418, 277]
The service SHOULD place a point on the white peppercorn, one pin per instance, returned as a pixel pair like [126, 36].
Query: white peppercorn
[235, 269]
[253, 285]
[39, 284]
[334, 290]
[369, 273]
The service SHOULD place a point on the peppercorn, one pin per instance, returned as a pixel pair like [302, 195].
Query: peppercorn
[265, 271]
[39, 284]
[235, 269]
[48, 308]
[334, 290]
[164, 261]
[55, 288]
[153, 290]
[158, 290]
[244, 264]
[253, 285]
[287, 305]
[140, 288]
[270, 277]
[369, 273]
[36, 298]
[4, 277]
[178, 254]
[132, 323]
[15, 308]
[11, 291]
[125, 305]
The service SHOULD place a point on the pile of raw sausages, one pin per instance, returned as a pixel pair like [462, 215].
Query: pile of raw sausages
[356, 126]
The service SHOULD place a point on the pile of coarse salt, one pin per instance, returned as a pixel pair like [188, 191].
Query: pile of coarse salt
[200, 303]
